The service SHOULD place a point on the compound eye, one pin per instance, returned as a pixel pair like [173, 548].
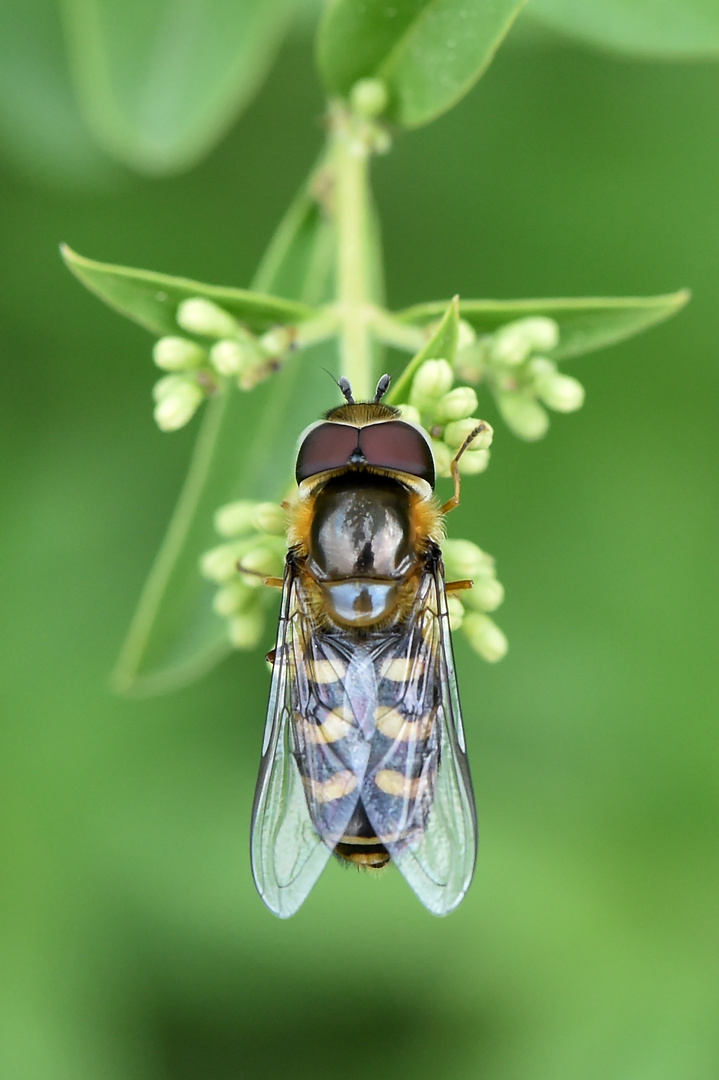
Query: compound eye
[328, 446]
[399, 446]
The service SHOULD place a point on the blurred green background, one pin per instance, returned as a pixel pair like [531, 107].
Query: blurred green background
[134, 945]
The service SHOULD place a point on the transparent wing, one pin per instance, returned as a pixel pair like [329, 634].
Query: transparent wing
[313, 758]
[418, 791]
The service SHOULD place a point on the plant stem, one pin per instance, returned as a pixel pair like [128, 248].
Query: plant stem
[351, 200]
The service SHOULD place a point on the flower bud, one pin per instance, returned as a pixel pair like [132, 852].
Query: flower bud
[232, 598]
[201, 316]
[487, 594]
[466, 335]
[167, 385]
[560, 392]
[368, 98]
[442, 457]
[270, 518]
[220, 563]
[514, 341]
[264, 560]
[246, 629]
[177, 354]
[471, 361]
[278, 340]
[463, 559]
[522, 414]
[474, 462]
[484, 636]
[409, 413]
[228, 357]
[459, 430]
[455, 610]
[433, 379]
[456, 405]
[236, 518]
[539, 366]
[177, 404]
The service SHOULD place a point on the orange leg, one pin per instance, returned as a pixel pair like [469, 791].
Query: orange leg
[457, 586]
[272, 582]
[454, 501]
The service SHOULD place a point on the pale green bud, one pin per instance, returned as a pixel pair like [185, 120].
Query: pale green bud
[178, 405]
[232, 598]
[487, 594]
[220, 563]
[455, 611]
[463, 559]
[246, 629]
[269, 517]
[474, 462]
[201, 316]
[442, 457]
[484, 636]
[228, 357]
[522, 414]
[277, 341]
[456, 405]
[237, 518]
[459, 430]
[265, 560]
[369, 98]
[433, 379]
[471, 361]
[514, 341]
[177, 354]
[540, 366]
[167, 385]
[560, 392]
[408, 412]
[466, 335]
[380, 140]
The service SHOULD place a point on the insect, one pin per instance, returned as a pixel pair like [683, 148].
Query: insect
[364, 752]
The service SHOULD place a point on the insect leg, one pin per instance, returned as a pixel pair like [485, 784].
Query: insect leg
[272, 582]
[457, 586]
[454, 467]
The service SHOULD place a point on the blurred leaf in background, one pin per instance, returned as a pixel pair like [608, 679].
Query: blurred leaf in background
[133, 944]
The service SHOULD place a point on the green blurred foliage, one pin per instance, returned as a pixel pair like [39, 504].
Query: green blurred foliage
[134, 945]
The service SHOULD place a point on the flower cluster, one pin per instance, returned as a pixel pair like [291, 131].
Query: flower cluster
[254, 548]
[522, 379]
[196, 372]
[464, 560]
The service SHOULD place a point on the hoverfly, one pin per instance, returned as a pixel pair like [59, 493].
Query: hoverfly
[364, 753]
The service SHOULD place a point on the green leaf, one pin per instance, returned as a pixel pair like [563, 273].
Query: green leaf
[245, 448]
[160, 81]
[584, 324]
[671, 28]
[428, 52]
[152, 299]
[441, 345]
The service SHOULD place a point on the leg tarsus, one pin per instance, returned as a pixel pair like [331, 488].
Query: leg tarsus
[458, 586]
[452, 503]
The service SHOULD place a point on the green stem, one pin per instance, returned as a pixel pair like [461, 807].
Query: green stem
[352, 212]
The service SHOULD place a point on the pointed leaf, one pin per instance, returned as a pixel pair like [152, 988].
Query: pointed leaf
[584, 324]
[428, 52]
[152, 299]
[672, 28]
[161, 81]
[442, 345]
[245, 448]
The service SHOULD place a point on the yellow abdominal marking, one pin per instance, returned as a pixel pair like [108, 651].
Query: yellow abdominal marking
[391, 723]
[401, 667]
[335, 726]
[342, 783]
[393, 782]
[324, 671]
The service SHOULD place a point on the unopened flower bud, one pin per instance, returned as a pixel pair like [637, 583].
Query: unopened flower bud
[236, 518]
[455, 610]
[459, 430]
[484, 636]
[246, 629]
[540, 366]
[466, 335]
[270, 518]
[220, 563]
[514, 341]
[471, 361]
[522, 414]
[264, 560]
[277, 341]
[368, 98]
[560, 392]
[474, 462]
[201, 316]
[456, 405]
[177, 354]
[433, 379]
[463, 559]
[487, 594]
[442, 457]
[232, 598]
[228, 357]
[178, 404]
[409, 413]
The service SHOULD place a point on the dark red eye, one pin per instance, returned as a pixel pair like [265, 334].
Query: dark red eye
[390, 445]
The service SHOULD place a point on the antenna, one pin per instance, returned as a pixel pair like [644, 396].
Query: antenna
[382, 388]
[346, 388]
